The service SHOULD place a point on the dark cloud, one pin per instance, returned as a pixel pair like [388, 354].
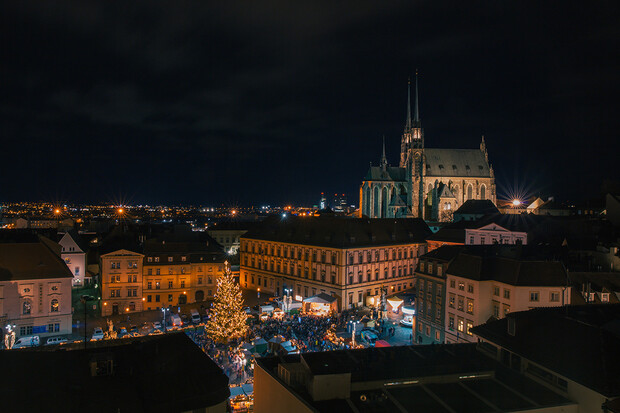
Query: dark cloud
[252, 102]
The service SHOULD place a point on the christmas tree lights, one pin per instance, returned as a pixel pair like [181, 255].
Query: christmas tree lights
[227, 319]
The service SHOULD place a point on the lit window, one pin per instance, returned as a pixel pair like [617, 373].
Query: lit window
[54, 306]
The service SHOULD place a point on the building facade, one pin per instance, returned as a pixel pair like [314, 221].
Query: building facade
[481, 285]
[75, 257]
[121, 282]
[350, 259]
[429, 183]
[35, 288]
[431, 295]
[177, 273]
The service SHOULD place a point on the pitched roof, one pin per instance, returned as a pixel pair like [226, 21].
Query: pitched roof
[487, 263]
[445, 192]
[588, 336]
[456, 163]
[444, 253]
[31, 261]
[376, 173]
[340, 232]
[477, 207]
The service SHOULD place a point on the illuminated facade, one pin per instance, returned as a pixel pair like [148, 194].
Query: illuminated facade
[121, 282]
[350, 259]
[177, 273]
[428, 183]
[75, 257]
[35, 288]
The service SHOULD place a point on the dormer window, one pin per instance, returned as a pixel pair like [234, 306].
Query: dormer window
[454, 167]
[480, 167]
[467, 168]
[440, 166]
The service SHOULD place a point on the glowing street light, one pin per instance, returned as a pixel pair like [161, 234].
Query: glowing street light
[516, 203]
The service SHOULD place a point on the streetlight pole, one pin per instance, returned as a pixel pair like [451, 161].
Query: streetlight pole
[85, 299]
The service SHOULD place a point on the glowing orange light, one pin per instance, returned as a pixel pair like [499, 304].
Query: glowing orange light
[121, 211]
[105, 303]
[57, 211]
[127, 309]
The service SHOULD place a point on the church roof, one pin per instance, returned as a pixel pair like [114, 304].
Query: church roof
[376, 173]
[445, 192]
[398, 201]
[456, 162]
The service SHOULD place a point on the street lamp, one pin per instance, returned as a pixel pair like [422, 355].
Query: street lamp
[258, 292]
[84, 300]
[163, 310]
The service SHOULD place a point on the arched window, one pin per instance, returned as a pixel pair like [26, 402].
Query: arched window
[375, 203]
[26, 307]
[54, 306]
[384, 203]
[483, 192]
[470, 190]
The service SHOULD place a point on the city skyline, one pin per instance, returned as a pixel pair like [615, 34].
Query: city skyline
[181, 105]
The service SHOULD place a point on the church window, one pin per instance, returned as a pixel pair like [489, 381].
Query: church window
[470, 192]
[483, 191]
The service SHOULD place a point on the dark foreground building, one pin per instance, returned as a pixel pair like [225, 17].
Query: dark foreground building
[165, 373]
[544, 360]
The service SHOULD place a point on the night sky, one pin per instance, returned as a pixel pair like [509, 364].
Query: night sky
[252, 103]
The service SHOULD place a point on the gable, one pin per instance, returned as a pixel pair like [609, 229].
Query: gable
[69, 245]
[492, 227]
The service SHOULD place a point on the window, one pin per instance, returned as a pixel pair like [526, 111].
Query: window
[451, 323]
[169, 284]
[534, 296]
[199, 280]
[506, 294]
[183, 258]
[25, 330]
[555, 296]
[496, 310]
[452, 283]
[460, 325]
[496, 290]
[157, 285]
[182, 283]
[156, 259]
[149, 271]
[157, 298]
[26, 307]
[54, 306]
[157, 271]
[169, 259]
[470, 306]
[461, 286]
[150, 259]
[437, 335]
[169, 297]
[149, 285]
[148, 298]
[460, 306]
[470, 325]
[428, 331]
[470, 288]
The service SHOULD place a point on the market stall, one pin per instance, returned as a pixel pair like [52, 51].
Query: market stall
[320, 305]
[408, 316]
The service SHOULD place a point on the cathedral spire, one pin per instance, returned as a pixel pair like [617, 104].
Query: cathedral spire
[383, 157]
[408, 121]
[416, 118]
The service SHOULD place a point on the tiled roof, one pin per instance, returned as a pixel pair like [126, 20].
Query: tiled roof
[341, 232]
[30, 261]
[456, 163]
[478, 207]
[376, 173]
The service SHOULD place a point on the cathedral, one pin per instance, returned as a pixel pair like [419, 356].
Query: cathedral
[428, 183]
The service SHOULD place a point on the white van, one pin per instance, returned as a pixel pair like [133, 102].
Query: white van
[56, 340]
[31, 341]
[195, 316]
[175, 320]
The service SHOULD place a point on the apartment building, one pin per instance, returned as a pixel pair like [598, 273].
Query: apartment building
[35, 287]
[121, 282]
[431, 288]
[350, 259]
[481, 283]
[177, 273]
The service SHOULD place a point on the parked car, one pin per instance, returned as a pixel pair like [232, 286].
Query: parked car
[122, 332]
[97, 334]
[157, 325]
[247, 310]
[133, 329]
[30, 341]
[175, 320]
[195, 316]
[56, 340]
[185, 318]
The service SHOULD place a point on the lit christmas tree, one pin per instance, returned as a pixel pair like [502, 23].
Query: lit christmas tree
[227, 319]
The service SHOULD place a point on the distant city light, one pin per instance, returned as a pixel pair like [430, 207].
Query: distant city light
[284, 215]
[516, 202]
